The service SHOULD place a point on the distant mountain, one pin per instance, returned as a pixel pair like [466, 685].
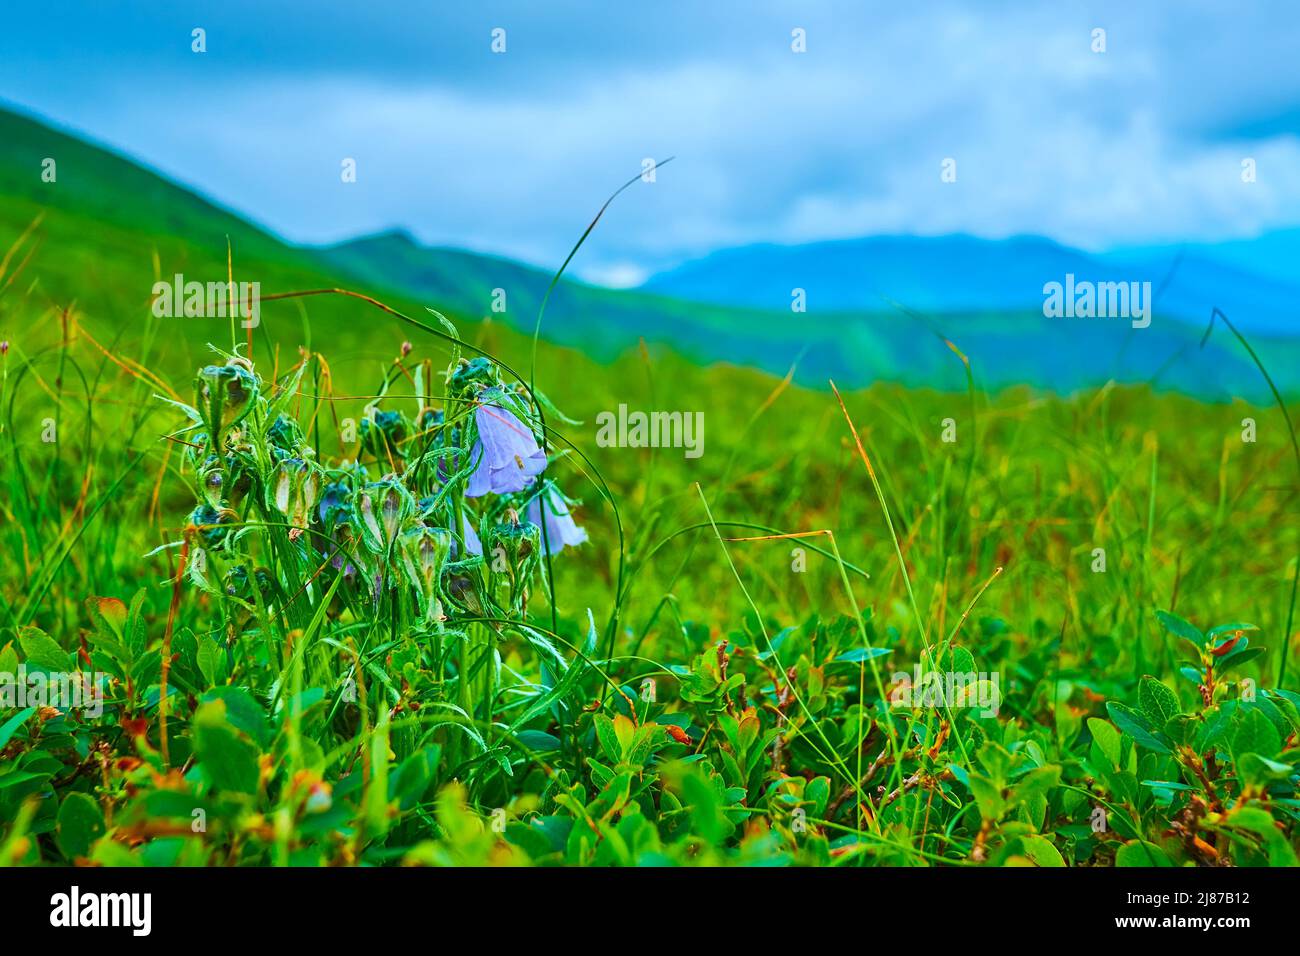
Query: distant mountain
[605, 321]
[1274, 255]
[961, 273]
[964, 288]
[107, 227]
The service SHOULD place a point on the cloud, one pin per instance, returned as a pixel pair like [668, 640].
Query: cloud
[515, 153]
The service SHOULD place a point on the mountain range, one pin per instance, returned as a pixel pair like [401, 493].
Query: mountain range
[962, 273]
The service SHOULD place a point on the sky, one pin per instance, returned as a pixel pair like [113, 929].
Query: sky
[513, 152]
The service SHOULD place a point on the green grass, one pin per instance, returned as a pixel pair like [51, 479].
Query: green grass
[997, 567]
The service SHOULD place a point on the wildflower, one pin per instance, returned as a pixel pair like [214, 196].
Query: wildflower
[4, 347]
[561, 531]
[506, 455]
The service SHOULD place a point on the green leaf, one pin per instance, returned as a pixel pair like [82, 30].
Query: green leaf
[209, 659]
[1257, 735]
[1138, 727]
[1238, 657]
[1041, 851]
[1036, 783]
[818, 793]
[1142, 853]
[538, 741]
[859, 654]
[136, 633]
[1157, 702]
[227, 760]
[1261, 770]
[960, 660]
[109, 615]
[1107, 739]
[40, 649]
[1228, 629]
[607, 737]
[1260, 822]
[243, 712]
[11, 725]
[81, 823]
[988, 796]
[1177, 626]
[1218, 727]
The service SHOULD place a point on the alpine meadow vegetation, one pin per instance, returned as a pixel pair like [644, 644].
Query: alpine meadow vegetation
[424, 624]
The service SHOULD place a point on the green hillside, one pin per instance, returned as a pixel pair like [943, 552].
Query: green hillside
[118, 227]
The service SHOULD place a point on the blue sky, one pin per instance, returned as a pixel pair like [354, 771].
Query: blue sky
[512, 153]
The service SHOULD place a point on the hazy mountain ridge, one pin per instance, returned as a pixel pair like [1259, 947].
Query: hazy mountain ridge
[108, 218]
[960, 273]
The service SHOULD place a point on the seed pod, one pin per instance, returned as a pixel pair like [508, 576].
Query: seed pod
[335, 507]
[224, 394]
[237, 585]
[423, 553]
[384, 506]
[239, 478]
[286, 435]
[294, 490]
[462, 583]
[513, 553]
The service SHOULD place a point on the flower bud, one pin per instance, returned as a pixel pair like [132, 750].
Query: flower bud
[210, 523]
[384, 434]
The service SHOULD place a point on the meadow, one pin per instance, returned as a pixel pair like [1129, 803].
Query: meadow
[324, 571]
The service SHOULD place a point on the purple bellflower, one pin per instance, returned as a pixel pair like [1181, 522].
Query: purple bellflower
[506, 455]
[472, 543]
[560, 529]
